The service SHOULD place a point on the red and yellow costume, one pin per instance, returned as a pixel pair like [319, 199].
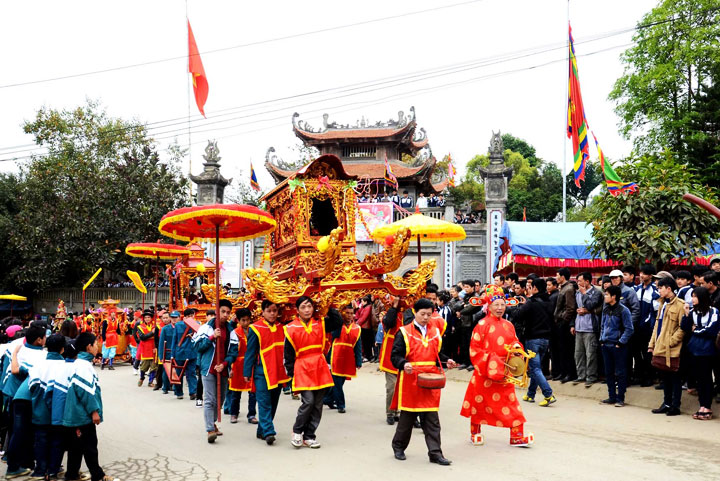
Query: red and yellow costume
[311, 371]
[237, 381]
[489, 399]
[342, 360]
[422, 354]
[271, 342]
[386, 349]
[147, 347]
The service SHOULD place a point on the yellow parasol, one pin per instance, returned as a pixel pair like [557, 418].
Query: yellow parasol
[423, 227]
[87, 284]
[12, 298]
[135, 278]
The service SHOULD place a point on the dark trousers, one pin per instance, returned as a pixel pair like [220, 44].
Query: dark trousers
[235, 397]
[639, 359]
[367, 338]
[336, 395]
[464, 353]
[702, 368]
[615, 370]
[43, 448]
[567, 351]
[56, 442]
[20, 447]
[190, 376]
[82, 443]
[556, 365]
[450, 344]
[267, 403]
[430, 422]
[198, 382]
[672, 388]
[309, 413]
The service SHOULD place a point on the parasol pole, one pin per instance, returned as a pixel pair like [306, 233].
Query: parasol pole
[418, 245]
[157, 267]
[143, 301]
[11, 307]
[217, 317]
[83, 311]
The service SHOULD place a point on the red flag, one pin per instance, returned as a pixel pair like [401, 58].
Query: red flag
[524, 215]
[195, 67]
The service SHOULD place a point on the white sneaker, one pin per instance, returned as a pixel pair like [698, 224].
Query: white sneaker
[311, 443]
[296, 440]
[135, 372]
[198, 403]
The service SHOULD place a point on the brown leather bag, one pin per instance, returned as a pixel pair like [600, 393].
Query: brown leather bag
[659, 362]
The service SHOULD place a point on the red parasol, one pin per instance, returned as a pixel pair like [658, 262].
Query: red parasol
[217, 222]
[157, 251]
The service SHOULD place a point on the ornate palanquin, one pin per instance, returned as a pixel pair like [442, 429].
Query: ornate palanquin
[312, 251]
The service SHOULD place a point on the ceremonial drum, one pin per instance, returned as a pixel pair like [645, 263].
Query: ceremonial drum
[431, 380]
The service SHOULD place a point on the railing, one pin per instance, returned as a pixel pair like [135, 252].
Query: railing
[434, 212]
[128, 297]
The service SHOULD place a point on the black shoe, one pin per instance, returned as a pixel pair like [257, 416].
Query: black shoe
[417, 424]
[400, 455]
[673, 412]
[565, 379]
[663, 409]
[441, 461]
[396, 418]
[341, 410]
[608, 401]
[270, 440]
[557, 377]
[259, 436]
[660, 387]
[192, 397]
[102, 367]
[577, 381]
[646, 384]
[390, 420]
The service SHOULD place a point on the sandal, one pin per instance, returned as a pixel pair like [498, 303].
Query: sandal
[706, 416]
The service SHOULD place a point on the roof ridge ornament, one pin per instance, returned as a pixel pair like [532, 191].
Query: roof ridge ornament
[496, 149]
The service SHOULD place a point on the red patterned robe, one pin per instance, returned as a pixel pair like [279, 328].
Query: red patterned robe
[488, 399]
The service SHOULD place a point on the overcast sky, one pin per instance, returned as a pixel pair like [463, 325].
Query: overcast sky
[519, 87]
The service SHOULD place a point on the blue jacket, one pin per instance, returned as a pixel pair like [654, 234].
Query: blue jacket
[702, 339]
[616, 326]
[253, 364]
[185, 350]
[83, 396]
[28, 356]
[629, 299]
[56, 393]
[167, 333]
[205, 346]
[649, 304]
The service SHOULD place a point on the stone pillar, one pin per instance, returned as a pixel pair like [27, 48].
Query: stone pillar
[210, 183]
[496, 177]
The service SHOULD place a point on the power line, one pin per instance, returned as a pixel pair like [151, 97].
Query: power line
[244, 45]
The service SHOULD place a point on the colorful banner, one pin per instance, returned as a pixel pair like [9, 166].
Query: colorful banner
[375, 215]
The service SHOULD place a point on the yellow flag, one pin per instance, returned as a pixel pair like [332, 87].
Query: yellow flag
[87, 284]
[135, 277]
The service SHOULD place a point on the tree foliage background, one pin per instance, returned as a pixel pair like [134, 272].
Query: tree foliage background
[101, 185]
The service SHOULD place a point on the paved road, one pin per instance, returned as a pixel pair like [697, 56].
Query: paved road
[150, 436]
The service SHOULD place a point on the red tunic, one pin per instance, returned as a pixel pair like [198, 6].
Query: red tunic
[342, 360]
[147, 348]
[237, 381]
[386, 349]
[311, 369]
[422, 353]
[489, 399]
[272, 341]
[111, 336]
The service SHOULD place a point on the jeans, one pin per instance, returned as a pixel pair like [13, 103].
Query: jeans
[235, 397]
[537, 378]
[20, 448]
[210, 403]
[190, 376]
[335, 394]
[56, 441]
[672, 388]
[615, 370]
[82, 443]
[41, 449]
[267, 402]
[586, 356]
[163, 377]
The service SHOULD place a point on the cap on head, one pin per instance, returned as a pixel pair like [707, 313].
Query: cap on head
[175, 314]
[616, 273]
[662, 274]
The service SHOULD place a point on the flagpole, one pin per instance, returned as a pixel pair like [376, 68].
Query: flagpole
[189, 97]
[565, 119]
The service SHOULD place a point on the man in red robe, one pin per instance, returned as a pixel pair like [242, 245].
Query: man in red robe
[489, 399]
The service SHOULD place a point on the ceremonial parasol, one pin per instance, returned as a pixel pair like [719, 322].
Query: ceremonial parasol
[12, 298]
[217, 222]
[422, 226]
[157, 251]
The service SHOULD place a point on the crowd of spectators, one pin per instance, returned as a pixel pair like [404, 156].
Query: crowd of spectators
[146, 283]
[405, 200]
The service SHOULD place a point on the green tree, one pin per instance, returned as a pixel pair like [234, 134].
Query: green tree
[704, 140]
[655, 223]
[515, 144]
[101, 186]
[671, 62]
[593, 178]
[9, 208]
